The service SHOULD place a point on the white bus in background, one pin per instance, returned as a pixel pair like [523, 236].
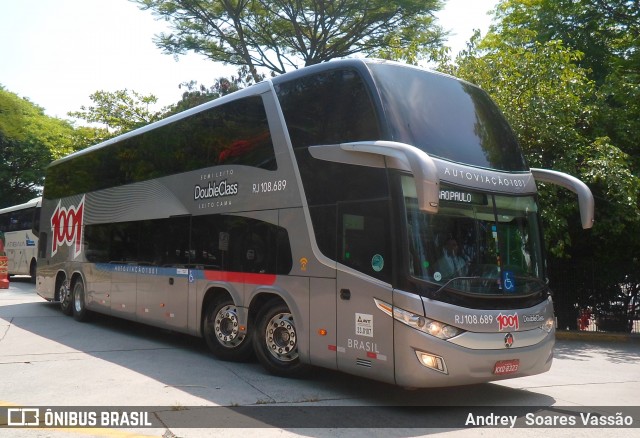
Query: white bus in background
[20, 227]
[312, 219]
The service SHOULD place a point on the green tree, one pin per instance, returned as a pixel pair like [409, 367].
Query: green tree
[118, 112]
[280, 35]
[549, 101]
[607, 33]
[29, 141]
[195, 94]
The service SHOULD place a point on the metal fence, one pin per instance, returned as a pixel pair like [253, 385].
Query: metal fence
[589, 297]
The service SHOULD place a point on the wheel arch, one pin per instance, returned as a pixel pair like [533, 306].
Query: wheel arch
[262, 296]
[214, 294]
[61, 277]
[75, 276]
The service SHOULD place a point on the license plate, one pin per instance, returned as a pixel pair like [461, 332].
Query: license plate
[503, 367]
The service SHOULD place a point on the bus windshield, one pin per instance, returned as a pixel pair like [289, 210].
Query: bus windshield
[446, 118]
[478, 243]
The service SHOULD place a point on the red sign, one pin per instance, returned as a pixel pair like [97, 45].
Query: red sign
[508, 322]
[503, 367]
[66, 225]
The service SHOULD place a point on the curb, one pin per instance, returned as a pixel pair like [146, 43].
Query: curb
[597, 336]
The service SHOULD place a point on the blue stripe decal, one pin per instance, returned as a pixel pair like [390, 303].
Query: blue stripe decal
[147, 270]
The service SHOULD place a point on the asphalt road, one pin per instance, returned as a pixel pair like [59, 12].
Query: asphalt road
[50, 361]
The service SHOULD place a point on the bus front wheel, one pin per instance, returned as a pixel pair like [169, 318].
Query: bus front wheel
[276, 340]
[222, 332]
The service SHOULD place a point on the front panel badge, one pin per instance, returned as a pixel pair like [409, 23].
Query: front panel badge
[508, 340]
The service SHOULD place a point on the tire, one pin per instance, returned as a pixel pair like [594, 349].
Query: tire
[32, 271]
[80, 312]
[64, 295]
[220, 331]
[275, 340]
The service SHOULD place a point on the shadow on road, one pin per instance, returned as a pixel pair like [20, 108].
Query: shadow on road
[322, 399]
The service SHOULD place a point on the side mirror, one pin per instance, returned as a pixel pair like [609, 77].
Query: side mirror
[585, 197]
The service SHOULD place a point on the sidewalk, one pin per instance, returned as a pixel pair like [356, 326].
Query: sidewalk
[591, 336]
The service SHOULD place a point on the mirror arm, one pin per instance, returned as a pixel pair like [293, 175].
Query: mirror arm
[585, 197]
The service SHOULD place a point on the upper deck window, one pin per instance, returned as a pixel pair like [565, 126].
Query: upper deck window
[327, 108]
[233, 133]
[446, 117]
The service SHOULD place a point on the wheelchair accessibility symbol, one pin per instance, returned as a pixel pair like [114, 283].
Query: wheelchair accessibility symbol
[508, 281]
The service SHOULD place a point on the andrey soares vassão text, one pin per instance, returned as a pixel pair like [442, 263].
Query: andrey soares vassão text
[583, 419]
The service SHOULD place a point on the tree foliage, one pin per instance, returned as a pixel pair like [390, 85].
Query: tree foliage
[195, 94]
[552, 105]
[281, 35]
[118, 112]
[29, 141]
[607, 34]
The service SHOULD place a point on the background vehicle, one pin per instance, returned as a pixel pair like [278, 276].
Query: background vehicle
[305, 219]
[20, 225]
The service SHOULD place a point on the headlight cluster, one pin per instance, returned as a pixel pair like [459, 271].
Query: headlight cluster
[418, 322]
[548, 325]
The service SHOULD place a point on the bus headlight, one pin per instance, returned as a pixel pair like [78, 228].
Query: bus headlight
[418, 322]
[548, 324]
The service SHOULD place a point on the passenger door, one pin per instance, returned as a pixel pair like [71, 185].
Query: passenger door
[365, 334]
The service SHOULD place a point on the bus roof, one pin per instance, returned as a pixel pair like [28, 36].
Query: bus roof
[35, 202]
[259, 88]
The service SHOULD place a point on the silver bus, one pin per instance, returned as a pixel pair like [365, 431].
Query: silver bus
[19, 224]
[358, 215]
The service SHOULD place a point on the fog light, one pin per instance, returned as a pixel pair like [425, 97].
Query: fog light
[432, 361]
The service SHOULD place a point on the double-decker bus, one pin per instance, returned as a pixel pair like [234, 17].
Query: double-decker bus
[358, 215]
[19, 224]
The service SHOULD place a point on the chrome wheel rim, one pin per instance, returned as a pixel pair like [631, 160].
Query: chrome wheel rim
[281, 339]
[77, 298]
[227, 328]
[63, 294]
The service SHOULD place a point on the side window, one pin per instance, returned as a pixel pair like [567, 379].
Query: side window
[4, 222]
[364, 239]
[233, 243]
[96, 243]
[330, 107]
[18, 220]
[225, 243]
[209, 244]
[123, 242]
[233, 133]
[42, 245]
[165, 242]
[36, 220]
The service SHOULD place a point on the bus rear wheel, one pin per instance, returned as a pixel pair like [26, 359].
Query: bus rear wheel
[222, 333]
[64, 295]
[80, 312]
[276, 340]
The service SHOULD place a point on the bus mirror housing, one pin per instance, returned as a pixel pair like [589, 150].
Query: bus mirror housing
[585, 197]
[422, 166]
